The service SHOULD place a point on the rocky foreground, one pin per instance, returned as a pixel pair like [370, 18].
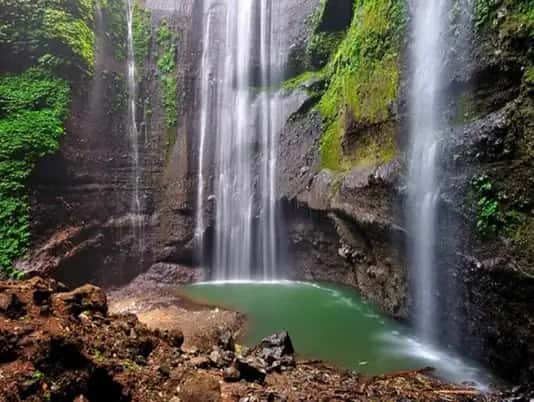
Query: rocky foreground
[62, 345]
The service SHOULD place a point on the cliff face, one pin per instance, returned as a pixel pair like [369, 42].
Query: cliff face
[82, 218]
[343, 186]
[341, 165]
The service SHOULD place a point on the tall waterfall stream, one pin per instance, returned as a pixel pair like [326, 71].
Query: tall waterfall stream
[239, 124]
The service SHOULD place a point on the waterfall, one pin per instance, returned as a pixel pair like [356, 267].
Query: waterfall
[239, 118]
[133, 132]
[429, 33]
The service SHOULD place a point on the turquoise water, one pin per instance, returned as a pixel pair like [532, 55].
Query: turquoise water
[330, 323]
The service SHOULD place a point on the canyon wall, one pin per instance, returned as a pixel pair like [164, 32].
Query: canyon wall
[341, 165]
[82, 220]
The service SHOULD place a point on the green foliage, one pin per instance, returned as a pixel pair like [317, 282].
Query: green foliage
[363, 75]
[117, 85]
[492, 216]
[516, 14]
[166, 40]
[33, 106]
[37, 375]
[58, 30]
[483, 11]
[114, 13]
[142, 34]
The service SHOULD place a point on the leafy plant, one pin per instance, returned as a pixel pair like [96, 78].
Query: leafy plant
[166, 40]
[490, 217]
[142, 33]
[62, 29]
[37, 375]
[33, 106]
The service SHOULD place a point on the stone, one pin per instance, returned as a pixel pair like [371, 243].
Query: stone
[85, 298]
[251, 369]
[164, 370]
[275, 347]
[200, 362]
[216, 358]
[175, 337]
[226, 341]
[231, 374]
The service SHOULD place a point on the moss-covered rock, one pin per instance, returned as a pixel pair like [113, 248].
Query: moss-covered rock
[361, 81]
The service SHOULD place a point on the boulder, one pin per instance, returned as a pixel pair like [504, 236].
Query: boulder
[276, 350]
[250, 369]
[85, 298]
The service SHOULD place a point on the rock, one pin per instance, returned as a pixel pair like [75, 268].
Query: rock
[11, 307]
[226, 341]
[250, 369]
[164, 370]
[174, 337]
[85, 298]
[200, 362]
[216, 358]
[231, 374]
[200, 387]
[275, 347]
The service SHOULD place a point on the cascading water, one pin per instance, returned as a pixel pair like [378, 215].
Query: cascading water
[244, 123]
[429, 24]
[133, 132]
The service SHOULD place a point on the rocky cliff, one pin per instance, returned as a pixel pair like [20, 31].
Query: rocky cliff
[341, 163]
[342, 173]
[82, 221]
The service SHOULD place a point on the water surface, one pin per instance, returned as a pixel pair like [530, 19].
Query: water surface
[331, 323]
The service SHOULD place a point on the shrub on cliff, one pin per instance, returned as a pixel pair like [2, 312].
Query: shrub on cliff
[33, 106]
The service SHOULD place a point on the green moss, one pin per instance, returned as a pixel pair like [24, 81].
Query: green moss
[166, 39]
[363, 77]
[33, 106]
[321, 46]
[373, 148]
[116, 84]
[331, 146]
[301, 81]
[142, 34]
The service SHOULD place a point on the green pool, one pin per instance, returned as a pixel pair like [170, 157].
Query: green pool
[330, 323]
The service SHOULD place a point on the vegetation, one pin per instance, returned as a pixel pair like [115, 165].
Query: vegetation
[114, 13]
[489, 217]
[362, 79]
[142, 34]
[517, 14]
[55, 33]
[33, 106]
[166, 40]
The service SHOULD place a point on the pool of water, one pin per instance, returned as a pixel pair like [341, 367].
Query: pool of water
[330, 323]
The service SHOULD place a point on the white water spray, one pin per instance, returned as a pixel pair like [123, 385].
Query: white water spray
[429, 33]
[245, 124]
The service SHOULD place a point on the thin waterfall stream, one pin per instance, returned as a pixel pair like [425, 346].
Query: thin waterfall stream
[133, 131]
[426, 63]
